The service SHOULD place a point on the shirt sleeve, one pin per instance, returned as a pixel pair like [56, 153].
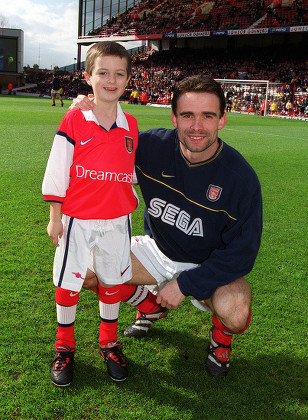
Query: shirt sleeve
[57, 175]
[234, 260]
[135, 179]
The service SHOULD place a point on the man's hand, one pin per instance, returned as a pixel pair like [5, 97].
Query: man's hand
[170, 296]
[85, 103]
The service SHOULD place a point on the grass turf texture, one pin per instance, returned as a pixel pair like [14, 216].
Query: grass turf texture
[167, 377]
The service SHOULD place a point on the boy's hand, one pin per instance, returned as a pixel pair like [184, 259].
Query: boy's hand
[85, 103]
[55, 231]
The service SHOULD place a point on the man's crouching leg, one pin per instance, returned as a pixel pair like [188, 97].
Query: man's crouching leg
[90, 282]
[135, 293]
[231, 306]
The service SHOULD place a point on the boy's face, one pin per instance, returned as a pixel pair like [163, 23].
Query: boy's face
[109, 78]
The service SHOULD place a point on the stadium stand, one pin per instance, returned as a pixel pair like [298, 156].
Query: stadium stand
[153, 16]
[156, 72]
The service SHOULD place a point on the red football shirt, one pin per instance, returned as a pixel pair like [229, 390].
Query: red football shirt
[90, 170]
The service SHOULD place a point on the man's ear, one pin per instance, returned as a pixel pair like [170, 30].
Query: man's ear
[87, 77]
[222, 121]
[174, 120]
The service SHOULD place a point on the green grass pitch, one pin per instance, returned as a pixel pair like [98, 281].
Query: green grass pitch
[167, 378]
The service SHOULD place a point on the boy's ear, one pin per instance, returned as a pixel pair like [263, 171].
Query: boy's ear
[128, 79]
[87, 77]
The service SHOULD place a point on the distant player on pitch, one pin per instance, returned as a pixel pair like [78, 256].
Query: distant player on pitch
[55, 90]
[89, 180]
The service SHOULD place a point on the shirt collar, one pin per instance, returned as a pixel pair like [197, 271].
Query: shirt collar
[121, 120]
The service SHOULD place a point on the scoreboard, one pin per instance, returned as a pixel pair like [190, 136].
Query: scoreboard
[8, 54]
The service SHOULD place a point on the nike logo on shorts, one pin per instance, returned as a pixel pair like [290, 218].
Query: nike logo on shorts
[113, 293]
[73, 294]
[83, 142]
[122, 272]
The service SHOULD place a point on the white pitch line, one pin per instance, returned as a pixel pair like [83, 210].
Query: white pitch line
[261, 134]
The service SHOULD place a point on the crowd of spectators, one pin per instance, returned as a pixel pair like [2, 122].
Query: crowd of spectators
[153, 16]
[155, 74]
[251, 99]
[293, 13]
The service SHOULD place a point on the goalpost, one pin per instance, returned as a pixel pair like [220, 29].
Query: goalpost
[261, 88]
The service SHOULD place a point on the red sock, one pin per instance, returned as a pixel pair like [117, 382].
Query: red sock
[108, 332]
[224, 335]
[65, 336]
[66, 303]
[110, 298]
[221, 334]
[140, 297]
[109, 303]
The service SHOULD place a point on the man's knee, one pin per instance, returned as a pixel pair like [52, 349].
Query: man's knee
[90, 281]
[240, 319]
[231, 303]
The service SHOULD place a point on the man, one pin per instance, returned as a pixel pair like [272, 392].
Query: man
[55, 90]
[203, 219]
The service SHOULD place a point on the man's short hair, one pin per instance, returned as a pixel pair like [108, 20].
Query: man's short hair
[100, 49]
[200, 84]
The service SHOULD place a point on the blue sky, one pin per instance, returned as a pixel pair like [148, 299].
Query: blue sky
[50, 29]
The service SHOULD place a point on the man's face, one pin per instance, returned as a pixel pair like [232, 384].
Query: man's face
[198, 121]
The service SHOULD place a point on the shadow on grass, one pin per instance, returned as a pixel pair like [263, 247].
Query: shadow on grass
[261, 388]
[167, 375]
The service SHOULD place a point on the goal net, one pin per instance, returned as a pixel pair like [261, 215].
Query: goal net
[251, 96]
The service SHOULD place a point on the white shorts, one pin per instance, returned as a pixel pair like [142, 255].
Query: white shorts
[102, 244]
[160, 266]
[54, 91]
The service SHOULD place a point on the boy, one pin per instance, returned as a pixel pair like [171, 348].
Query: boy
[88, 179]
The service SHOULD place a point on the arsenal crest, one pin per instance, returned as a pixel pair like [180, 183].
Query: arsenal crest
[213, 192]
[129, 142]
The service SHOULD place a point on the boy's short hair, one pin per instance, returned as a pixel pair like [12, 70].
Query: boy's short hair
[100, 49]
[199, 83]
